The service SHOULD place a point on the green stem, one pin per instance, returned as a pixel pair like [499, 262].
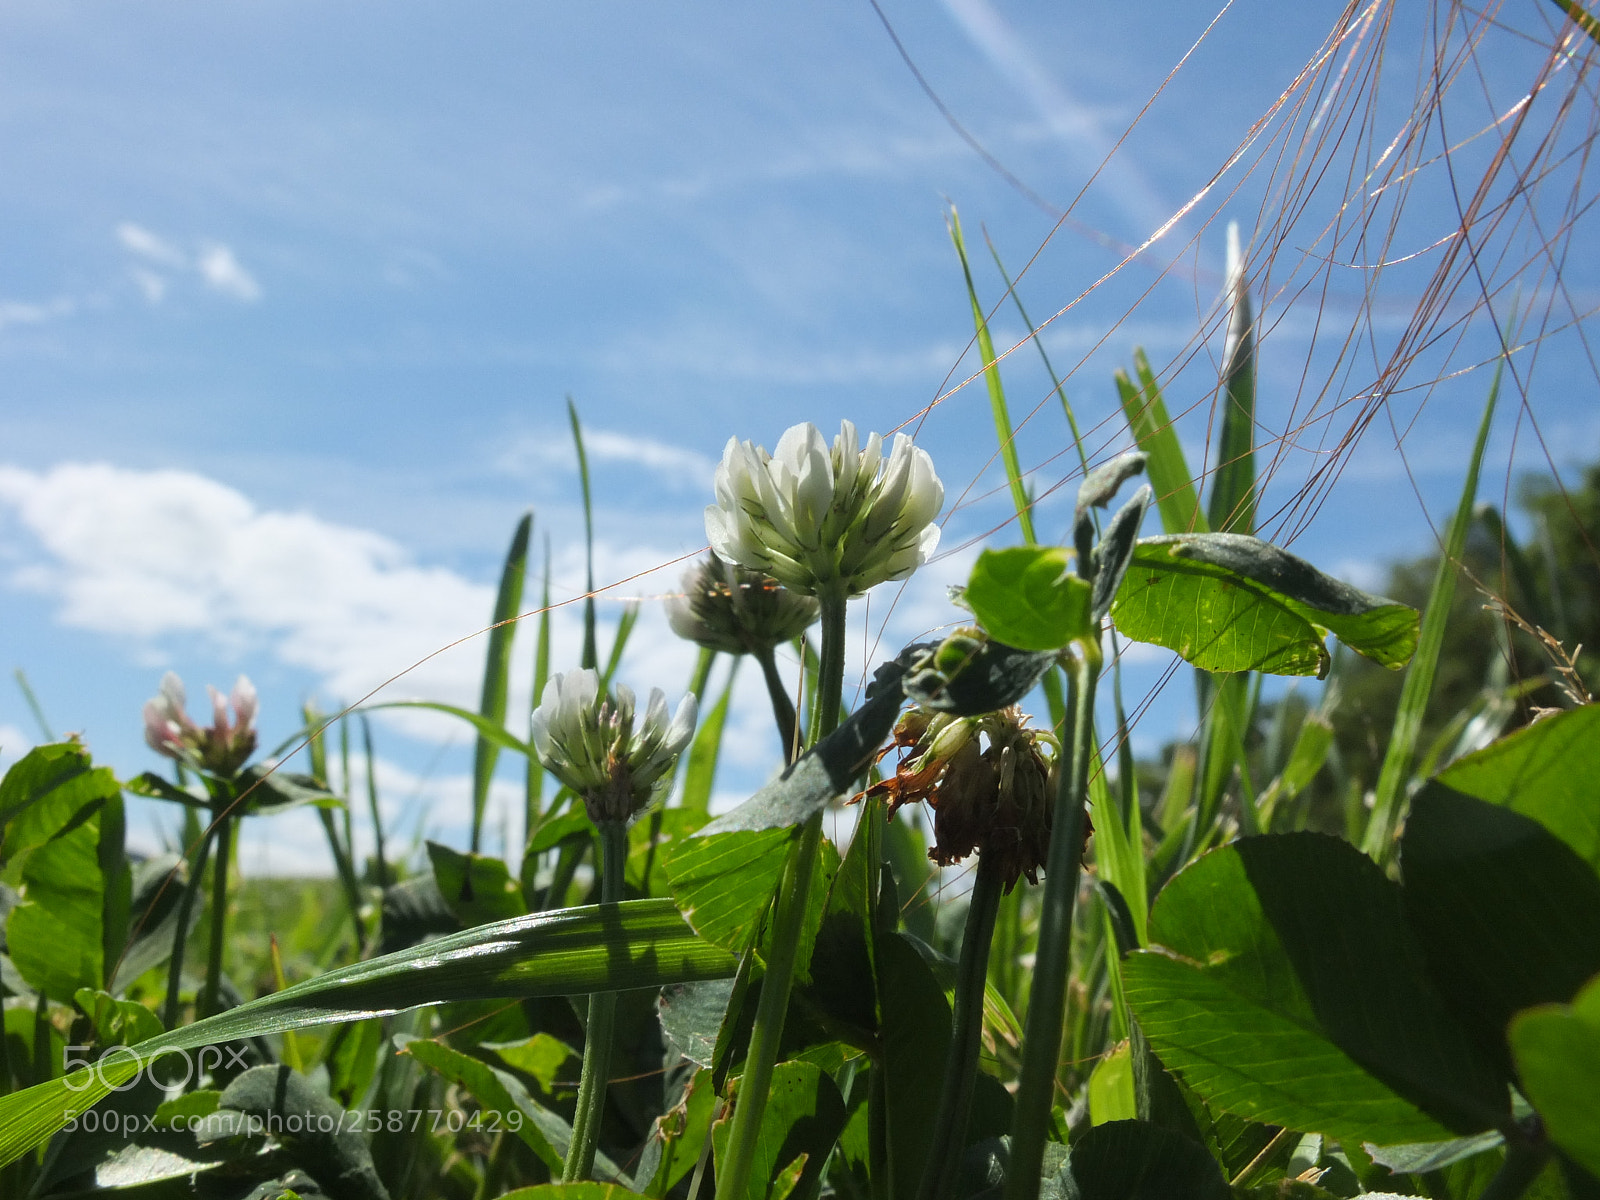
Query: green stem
[793, 897]
[180, 936]
[942, 1172]
[1047, 1000]
[602, 1021]
[1525, 1158]
[782, 706]
[219, 911]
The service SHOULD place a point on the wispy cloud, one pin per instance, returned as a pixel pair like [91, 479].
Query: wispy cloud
[214, 264]
[1076, 124]
[17, 312]
[677, 465]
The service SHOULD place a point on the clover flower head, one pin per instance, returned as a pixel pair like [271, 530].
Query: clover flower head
[989, 780]
[589, 742]
[818, 518]
[222, 748]
[736, 610]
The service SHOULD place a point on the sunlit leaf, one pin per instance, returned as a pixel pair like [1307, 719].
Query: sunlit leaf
[1557, 1050]
[1029, 597]
[1227, 602]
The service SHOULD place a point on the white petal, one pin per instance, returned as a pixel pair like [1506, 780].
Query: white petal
[682, 729]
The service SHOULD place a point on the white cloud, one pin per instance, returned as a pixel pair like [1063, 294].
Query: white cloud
[17, 312]
[675, 464]
[149, 556]
[213, 263]
[223, 273]
[138, 240]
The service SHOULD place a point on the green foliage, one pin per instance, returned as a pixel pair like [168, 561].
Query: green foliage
[1027, 597]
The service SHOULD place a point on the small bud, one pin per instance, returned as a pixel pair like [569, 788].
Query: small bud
[589, 743]
[736, 610]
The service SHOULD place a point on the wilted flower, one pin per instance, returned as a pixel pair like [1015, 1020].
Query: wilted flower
[736, 610]
[588, 741]
[220, 750]
[816, 519]
[989, 780]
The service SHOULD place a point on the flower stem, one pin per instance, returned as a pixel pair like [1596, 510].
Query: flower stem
[602, 1020]
[782, 706]
[1047, 999]
[180, 936]
[794, 893]
[210, 998]
[940, 1176]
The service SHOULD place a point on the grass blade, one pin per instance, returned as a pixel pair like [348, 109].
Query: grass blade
[379, 863]
[635, 944]
[1146, 414]
[625, 627]
[1414, 693]
[591, 653]
[317, 745]
[497, 670]
[1232, 507]
[541, 675]
[997, 396]
[701, 769]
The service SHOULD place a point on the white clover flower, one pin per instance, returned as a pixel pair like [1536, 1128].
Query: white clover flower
[221, 749]
[816, 519]
[589, 743]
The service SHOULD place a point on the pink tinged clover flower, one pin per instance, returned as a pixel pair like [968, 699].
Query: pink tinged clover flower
[590, 743]
[220, 750]
[819, 519]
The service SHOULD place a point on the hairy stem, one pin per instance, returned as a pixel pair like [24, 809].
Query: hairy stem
[940, 1175]
[1041, 1042]
[602, 1020]
[793, 896]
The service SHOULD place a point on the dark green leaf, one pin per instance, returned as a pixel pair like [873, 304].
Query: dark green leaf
[968, 675]
[1227, 602]
[828, 769]
[478, 889]
[414, 910]
[1114, 554]
[1132, 1160]
[1546, 771]
[1100, 485]
[635, 944]
[1028, 597]
[1557, 1051]
[1284, 986]
[1508, 914]
[157, 788]
[319, 1135]
[804, 1115]
[501, 1094]
[915, 1029]
[571, 1191]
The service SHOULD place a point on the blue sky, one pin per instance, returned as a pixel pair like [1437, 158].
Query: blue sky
[292, 297]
